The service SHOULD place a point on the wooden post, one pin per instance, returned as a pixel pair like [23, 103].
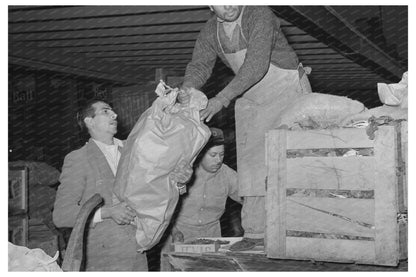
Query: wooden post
[386, 208]
[276, 194]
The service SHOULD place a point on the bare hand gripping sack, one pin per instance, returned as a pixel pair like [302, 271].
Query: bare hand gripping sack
[165, 135]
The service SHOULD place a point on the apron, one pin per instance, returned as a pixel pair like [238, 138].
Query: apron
[256, 112]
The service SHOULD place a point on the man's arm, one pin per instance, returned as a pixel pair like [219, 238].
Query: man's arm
[232, 178]
[257, 60]
[70, 191]
[203, 59]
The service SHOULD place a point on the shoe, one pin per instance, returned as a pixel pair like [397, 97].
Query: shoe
[246, 244]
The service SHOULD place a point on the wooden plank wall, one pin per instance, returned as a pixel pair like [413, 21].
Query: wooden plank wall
[129, 103]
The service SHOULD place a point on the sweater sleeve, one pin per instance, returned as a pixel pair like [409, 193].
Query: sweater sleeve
[203, 59]
[260, 24]
[233, 185]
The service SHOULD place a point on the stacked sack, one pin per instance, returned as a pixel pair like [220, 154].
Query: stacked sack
[318, 111]
[24, 259]
[395, 104]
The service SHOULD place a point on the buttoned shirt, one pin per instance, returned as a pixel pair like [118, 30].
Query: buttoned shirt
[112, 155]
[206, 198]
[111, 152]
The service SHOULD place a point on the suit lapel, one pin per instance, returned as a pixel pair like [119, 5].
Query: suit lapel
[104, 176]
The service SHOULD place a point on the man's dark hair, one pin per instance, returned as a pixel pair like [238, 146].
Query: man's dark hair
[87, 110]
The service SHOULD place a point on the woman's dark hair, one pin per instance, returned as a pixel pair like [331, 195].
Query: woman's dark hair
[217, 138]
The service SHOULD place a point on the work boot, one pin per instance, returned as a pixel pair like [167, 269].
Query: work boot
[246, 244]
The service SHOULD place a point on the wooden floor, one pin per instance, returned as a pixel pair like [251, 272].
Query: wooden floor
[257, 262]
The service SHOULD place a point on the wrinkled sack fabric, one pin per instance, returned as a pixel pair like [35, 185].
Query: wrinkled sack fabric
[166, 135]
[24, 259]
[319, 111]
[394, 94]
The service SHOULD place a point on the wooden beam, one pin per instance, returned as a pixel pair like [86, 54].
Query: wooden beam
[133, 47]
[329, 27]
[113, 32]
[139, 39]
[110, 22]
[41, 13]
[81, 71]
[159, 54]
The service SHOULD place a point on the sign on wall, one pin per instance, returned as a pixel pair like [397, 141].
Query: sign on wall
[24, 90]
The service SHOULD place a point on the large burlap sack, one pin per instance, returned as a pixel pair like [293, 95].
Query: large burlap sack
[318, 111]
[394, 97]
[395, 112]
[166, 135]
[24, 259]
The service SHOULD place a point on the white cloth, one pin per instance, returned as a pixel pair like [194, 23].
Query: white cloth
[112, 154]
[394, 94]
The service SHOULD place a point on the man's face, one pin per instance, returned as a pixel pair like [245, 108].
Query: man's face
[105, 119]
[227, 13]
[212, 160]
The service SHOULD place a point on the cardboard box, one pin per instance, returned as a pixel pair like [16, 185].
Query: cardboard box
[196, 248]
[18, 229]
[18, 190]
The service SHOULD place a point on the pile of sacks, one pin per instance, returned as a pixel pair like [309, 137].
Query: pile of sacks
[24, 259]
[324, 111]
[395, 103]
[318, 111]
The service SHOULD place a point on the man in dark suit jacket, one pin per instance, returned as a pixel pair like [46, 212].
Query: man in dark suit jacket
[111, 244]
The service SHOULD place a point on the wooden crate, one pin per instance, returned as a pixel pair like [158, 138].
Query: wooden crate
[18, 189]
[18, 229]
[325, 203]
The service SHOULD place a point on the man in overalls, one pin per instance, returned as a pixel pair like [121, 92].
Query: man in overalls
[268, 76]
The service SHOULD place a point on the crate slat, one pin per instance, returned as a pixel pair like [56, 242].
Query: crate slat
[331, 216]
[330, 250]
[335, 138]
[386, 208]
[276, 195]
[353, 173]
